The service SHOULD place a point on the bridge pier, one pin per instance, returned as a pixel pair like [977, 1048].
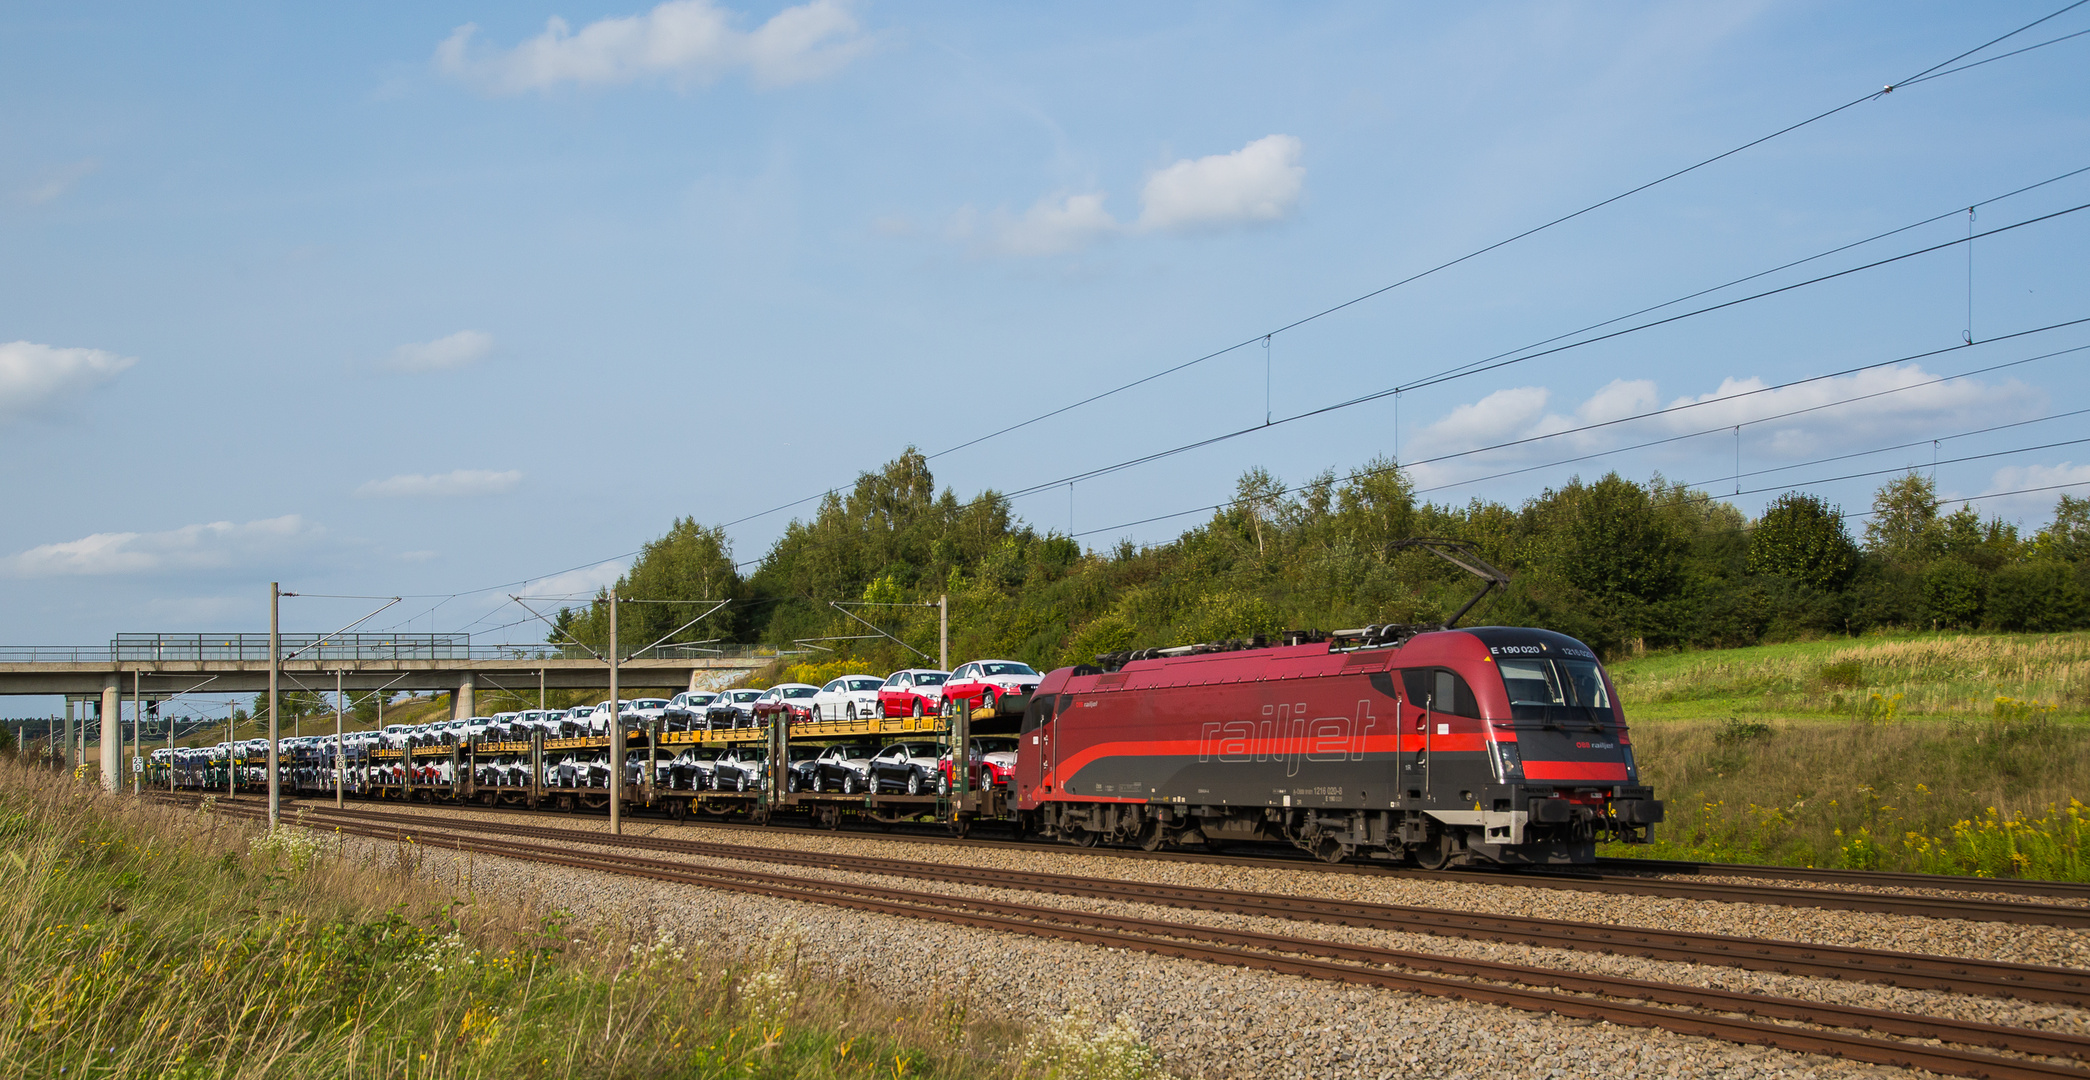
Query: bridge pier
[462, 702]
[112, 724]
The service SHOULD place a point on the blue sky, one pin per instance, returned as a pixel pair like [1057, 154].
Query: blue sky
[430, 298]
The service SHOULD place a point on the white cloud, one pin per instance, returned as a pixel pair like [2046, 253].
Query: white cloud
[216, 545]
[692, 41]
[458, 483]
[34, 376]
[1867, 409]
[1259, 182]
[1896, 405]
[2033, 507]
[1054, 225]
[1505, 414]
[455, 351]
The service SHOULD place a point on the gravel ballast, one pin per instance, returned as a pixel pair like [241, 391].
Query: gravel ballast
[1212, 1021]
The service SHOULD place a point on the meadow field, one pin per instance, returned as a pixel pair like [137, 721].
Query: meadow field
[1946, 753]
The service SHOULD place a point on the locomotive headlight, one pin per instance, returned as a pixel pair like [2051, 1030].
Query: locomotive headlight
[1511, 760]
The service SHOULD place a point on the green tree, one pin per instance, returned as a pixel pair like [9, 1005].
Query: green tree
[1801, 537]
[676, 578]
[2068, 538]
[2041, 596]
[1953, 592]
[1904, 528]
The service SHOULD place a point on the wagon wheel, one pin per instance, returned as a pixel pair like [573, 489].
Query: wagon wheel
[1434, 853]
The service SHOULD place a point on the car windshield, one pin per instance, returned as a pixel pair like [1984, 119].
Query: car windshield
[994, 746]
[701, 699]
[801, 691]
[1007, 668]
[930, 678]
[744, 696]
[861, 684]
[650, 703]
[803, 753]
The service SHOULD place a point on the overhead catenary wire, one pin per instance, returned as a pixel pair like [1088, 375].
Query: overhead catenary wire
[1746, 423]
[1934, 71]
[1434, 380]
[1939, 70]
[1683, 407]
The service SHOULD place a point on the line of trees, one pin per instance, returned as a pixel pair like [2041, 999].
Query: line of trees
[1619, 564]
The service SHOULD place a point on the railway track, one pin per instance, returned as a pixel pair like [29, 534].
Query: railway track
[1720, 1014]
[1979, 908]
[1909, 970]
[2065, 890]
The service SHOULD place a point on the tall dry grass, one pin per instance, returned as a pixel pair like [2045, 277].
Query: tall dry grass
[151, 942]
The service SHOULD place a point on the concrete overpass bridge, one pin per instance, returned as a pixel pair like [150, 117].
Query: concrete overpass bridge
[160, 667]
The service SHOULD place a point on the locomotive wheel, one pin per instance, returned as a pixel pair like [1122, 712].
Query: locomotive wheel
[1151, 837]
[960, 826]
[1434, 853]
[1329, 850]
[678, 809]
[1085, 838]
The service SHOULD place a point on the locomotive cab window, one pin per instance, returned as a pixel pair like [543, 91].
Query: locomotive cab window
[1439, 690]
[1536, 681]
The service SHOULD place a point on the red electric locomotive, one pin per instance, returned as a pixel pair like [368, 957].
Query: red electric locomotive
[1485, 745]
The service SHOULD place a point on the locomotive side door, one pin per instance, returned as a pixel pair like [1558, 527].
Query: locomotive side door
[1416, 712]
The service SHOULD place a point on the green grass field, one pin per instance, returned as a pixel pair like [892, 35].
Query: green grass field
[1947, 753]
[1906, 674]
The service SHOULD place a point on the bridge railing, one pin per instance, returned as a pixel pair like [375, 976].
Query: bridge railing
[148, 648]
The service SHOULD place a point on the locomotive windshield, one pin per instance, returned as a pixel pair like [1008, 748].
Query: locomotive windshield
[1536, 681]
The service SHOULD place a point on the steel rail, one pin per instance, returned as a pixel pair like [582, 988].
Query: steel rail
[2073, 890]
[1907, 970]
[2021, 913]
[1354, 964]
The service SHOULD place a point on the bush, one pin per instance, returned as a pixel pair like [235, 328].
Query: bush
[1735, 730]
[2040, 596]
[1952, 592]
[1841, 673]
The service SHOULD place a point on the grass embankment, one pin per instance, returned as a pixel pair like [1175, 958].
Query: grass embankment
[1956, 754]
[151, 942]
[1893, 676]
